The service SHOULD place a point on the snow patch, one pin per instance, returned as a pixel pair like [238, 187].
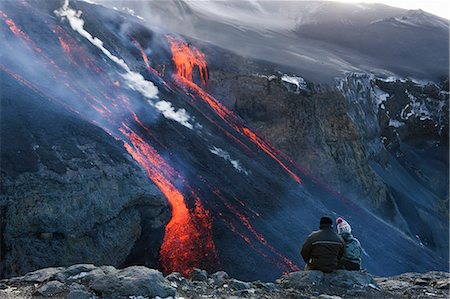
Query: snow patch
[299, 82]
[134, 80]
[415, 108]
[395, 123]
[226, 156]
[268, 77]
[380, 96]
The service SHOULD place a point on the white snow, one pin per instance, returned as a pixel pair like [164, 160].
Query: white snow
[268, 77]
[299, 82]
[415, 108]
[380, 96]
[395, 123]
[226, 156]
[134, 80]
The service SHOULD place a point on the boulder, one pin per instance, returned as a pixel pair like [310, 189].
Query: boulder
[198, 275]
[350, 279]
[40, 275]
[50, 289]
[338, 279]
[74, 272]
[175, 276]
[219, 278]
[301, 279]
[239, 285]
[132, 281]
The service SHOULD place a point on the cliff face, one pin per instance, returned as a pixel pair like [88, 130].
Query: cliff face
[69, 193]
[380, 142]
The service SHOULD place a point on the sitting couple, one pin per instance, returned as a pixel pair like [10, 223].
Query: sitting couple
[326, 250]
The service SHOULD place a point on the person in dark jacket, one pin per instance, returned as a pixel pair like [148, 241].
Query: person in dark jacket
[352, 257]
[323, 249]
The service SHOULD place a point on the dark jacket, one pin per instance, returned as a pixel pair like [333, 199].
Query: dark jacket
[323, 249]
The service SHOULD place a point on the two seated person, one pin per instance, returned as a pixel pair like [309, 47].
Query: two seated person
[326, 250]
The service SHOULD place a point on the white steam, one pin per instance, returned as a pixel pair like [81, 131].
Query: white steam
[179, 115]
[134, 80]
[226, 156]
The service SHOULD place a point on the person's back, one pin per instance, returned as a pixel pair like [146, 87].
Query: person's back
[351, 260]
[323, 249]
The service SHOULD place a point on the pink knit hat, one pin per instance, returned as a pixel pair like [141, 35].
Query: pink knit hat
[343, 226]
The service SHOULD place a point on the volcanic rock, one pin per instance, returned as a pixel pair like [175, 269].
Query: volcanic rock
[69, 193]
[78, 291]
[198, 275]
[219, 278]
[142, 282]
[132, 281]
[239, 285]
[50, 289]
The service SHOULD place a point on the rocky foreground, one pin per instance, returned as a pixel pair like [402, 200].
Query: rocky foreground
[86, 281]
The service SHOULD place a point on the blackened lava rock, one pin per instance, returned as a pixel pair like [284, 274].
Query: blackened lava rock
[340, 279]
[70, 193]
[132, 281]
[349, 279]
[301, 279]
[73, 272]
[239, 285]
[40, 275]
[50, 289]
[175, 276]
[78, 291]
[219, 278]
[198, 275]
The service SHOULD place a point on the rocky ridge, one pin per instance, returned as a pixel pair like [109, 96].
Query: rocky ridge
[83, 281]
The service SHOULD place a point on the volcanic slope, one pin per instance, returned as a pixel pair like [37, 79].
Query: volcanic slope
[233, 196]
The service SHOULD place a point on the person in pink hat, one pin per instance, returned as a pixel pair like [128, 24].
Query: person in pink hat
[351, 260]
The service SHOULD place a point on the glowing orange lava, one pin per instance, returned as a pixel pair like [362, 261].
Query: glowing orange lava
[186, 58]
[188, 239]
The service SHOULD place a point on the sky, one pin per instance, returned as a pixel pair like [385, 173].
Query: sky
[437, 7]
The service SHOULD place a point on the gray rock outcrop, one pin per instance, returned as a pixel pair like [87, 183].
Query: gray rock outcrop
[69, 192]
[88, 281]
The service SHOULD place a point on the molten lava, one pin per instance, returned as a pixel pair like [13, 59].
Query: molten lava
[188, 239]
[186, 58]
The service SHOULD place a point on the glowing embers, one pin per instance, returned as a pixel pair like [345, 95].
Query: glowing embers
[185, 58]
[188, 239]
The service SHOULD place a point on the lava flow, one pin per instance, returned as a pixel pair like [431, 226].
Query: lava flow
[185, 58]
[188, 238]
[188, 241]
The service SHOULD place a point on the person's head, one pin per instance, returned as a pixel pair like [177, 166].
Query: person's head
[343, 226]
[326, 222]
